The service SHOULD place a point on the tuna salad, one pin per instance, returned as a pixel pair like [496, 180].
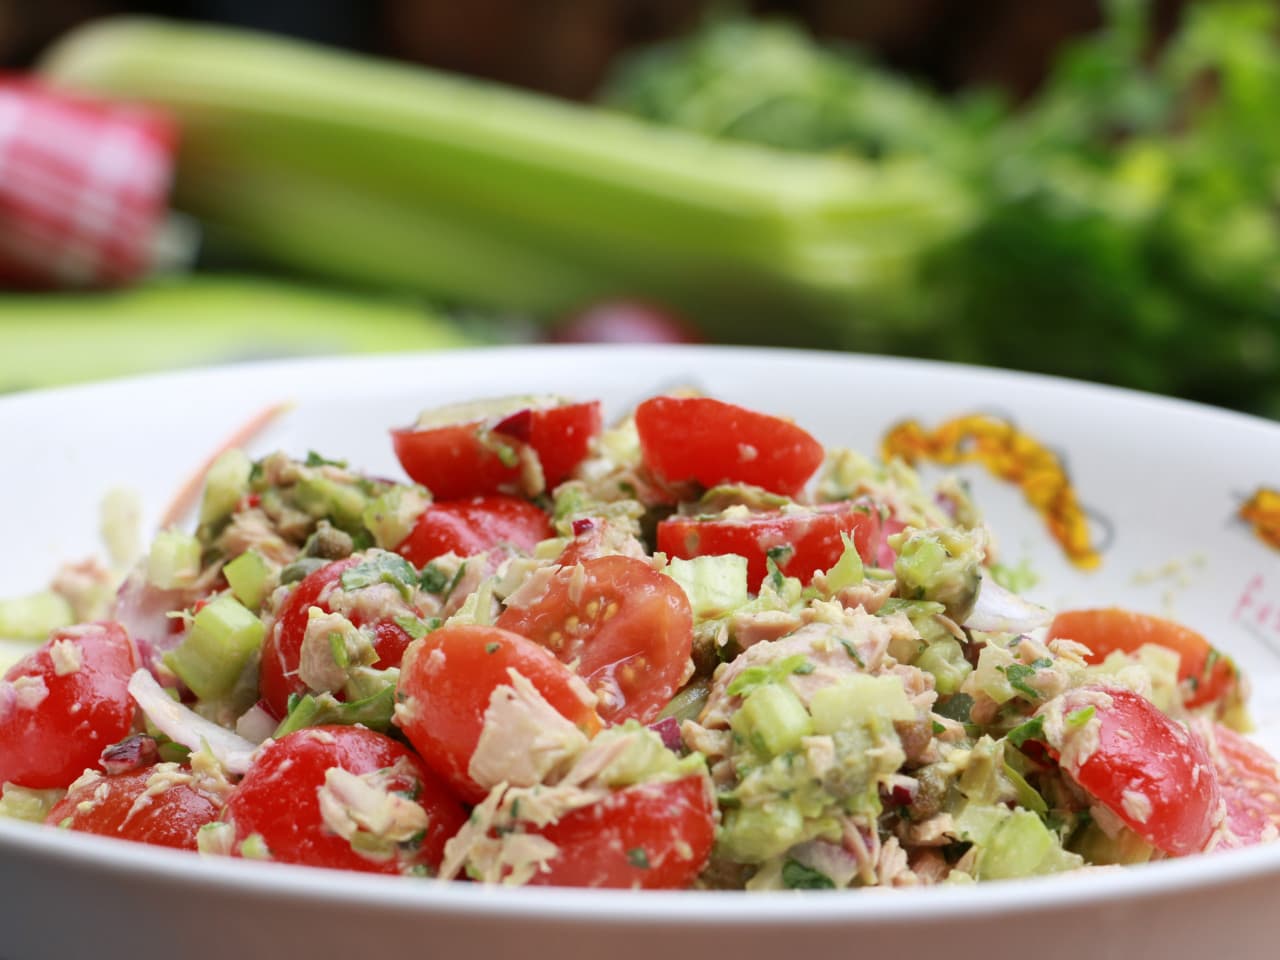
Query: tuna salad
[695, 649]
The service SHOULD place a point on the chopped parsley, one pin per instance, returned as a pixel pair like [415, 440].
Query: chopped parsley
[638, 858]
[753, 677]
[382, 567]
[1032, 729]
[796, 876]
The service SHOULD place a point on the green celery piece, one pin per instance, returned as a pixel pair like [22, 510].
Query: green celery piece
[249, 576]
[222, 639]
[398, 176]
[179, 322]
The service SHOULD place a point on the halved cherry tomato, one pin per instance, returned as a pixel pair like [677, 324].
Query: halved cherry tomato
[149, 805]
[802, 541]
[63, 703]
[627, 629]
[1142, 766]
[479, 456]
[1206, 675]
[1250, 779]
[713, 442]
[446, 682]
[281, 800]
[282, 649]
[468, 527]
[652, 836]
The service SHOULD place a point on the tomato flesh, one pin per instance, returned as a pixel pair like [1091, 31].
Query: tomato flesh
[627, 629]
[1144, 767]
[456, 461]
[447, 679]
[115, 806]
[712, 442]
[281, 651]
[279, 799]
[63, 703]
[652, 836]
[802, 543]
[468, 527]
[1206, 676]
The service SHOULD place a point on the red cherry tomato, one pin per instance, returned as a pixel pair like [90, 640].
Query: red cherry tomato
[627, 629]
[1206, 675]
[1142, 766]
[281, 800]
[802, 542]
[712, 442]
[1250, 780]
[447, 679]
[459, 460]
[62, 704]
[151, 805]
[281, 651]
[468, 527]
[653, 836]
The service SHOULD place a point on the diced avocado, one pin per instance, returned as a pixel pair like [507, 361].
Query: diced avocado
[249, 576]
[716, 585]
[222, 639]
[859, 700]
[754, 834]
[644, 759]
[392, 515]
[772, 719]
[1012, 843]
[33, 616]
[942, 565]
[1126, 847]
[225, 483]
[174, 560]
[944, 659]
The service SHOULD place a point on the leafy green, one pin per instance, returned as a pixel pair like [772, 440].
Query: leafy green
[1123, 225]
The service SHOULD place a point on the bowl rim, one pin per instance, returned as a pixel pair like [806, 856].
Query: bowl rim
[707, 908]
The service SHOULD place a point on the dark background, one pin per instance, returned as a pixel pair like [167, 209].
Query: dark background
[565, 46]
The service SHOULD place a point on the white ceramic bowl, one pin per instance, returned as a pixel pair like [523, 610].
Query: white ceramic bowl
[1164, 478]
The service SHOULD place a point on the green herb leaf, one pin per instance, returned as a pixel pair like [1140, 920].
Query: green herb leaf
[382, 567]
[1032, 729]
[796, 876]
[638, 858]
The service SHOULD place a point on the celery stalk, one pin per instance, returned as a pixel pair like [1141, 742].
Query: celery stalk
[398, 176]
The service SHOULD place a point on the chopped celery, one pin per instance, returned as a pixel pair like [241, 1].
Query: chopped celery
[31, 617]
[773, 719]
[225, 483]
[754, 834]
[223, 637]
[715, 585]
[174, 560]
[249, 576]
[312, 710]
[24, 803]
[847, 571]
[688, 703]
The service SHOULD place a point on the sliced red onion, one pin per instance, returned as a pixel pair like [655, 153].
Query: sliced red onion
[668, 728]
[187, 727]
[998, 610]
[131, 753]
[144, 610]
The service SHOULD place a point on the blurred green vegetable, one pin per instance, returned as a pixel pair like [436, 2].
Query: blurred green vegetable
[399, 177]
[55, 338]
[1126, 227]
